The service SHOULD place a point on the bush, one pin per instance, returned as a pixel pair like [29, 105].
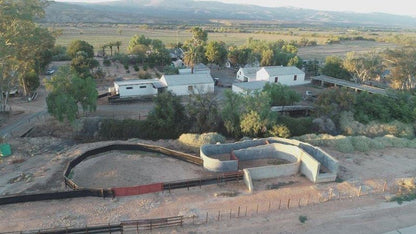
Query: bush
[136, 68]
[344, 145]
[197, 140]
[111, 129]
[361, 143]
[106, 62]
[303, 218]
[279, 131]
[296, 126]
[349, 126]
[126, 66]
[144, 75]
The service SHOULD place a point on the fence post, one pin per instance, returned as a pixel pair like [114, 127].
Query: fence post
[299, 202]
[230, 213]
[193, 219]
[309, 197]
[219, 215]
[238, 212]
[257, 210]
[246, 212]
[269, 206]
[359, 191]
[288, 203]
[384, 186]
[206, 218]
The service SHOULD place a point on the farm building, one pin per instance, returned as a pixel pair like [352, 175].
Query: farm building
[199, 68]
[184, 84]
[247, 74]
[136, 88]
[248, 87]
[284, 75]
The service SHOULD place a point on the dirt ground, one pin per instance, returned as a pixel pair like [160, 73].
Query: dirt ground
[123, 169]
[37, 165]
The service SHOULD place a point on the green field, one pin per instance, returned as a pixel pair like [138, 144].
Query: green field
[98, 35]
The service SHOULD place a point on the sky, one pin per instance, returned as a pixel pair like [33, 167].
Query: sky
[400, 7]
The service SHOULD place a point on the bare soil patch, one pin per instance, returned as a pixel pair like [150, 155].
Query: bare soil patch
[122, 169]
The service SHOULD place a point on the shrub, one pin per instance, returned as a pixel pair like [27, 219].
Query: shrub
[145, 67]
[144, 75]
[124, 129]
[344, 145]
[126, 66]
[279, 131]
[361, 143]
[296, 126]
[136, 68]
[197, 140]
[303, 218]
[106, 62]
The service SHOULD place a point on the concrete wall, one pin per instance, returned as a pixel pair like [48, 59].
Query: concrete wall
[182, 90]
[247, 180]
[273, 171]
[322, 157]
[309, 167]
[275, 150]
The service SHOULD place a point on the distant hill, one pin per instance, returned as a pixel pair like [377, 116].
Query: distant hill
[189, 11]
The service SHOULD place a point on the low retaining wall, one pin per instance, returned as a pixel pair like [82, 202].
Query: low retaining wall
[137, 190]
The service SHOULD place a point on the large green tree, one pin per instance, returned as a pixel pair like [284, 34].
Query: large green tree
[281, 95]
[67, 90]
[24, 46]
[232, 107]
[78, 46]
[203, 112]
[334, 67]
[168, 117]
[364, 67]
[216, 52]
[401, 63]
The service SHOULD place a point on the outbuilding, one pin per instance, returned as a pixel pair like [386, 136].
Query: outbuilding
[136, 88]
[284, 75]
[185, 84]
[247, 74]
[248, 88]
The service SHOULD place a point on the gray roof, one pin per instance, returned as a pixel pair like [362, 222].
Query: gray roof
[281, 71]
[250, 71]
[188, 79]
[136, 82]
[250, 86]
[350, 84]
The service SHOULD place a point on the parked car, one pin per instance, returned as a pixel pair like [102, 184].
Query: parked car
[50, 71]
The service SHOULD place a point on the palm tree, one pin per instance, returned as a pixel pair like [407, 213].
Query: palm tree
[118, 44]
[111, 44]
[193, 56]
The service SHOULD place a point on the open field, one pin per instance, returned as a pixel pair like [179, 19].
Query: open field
[99, 35]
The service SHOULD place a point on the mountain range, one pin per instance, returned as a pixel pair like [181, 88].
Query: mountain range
[190, 11]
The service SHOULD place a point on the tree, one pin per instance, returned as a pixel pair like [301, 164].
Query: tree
[77, 46]
[401, 63]
[203, 112]
[281, 95]
[231, 112]
[24, 46]
[363, 67]
[334, 67]
[252, 125]
[193, 56]
[199, 36]
[168, 117]
[267, 58]
[67, 90]
[216, 53]
[118, 44]
[83, 65]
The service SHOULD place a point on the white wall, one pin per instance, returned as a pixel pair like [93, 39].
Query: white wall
[240, 75]
[181, 90]
[282, 79]
[238, 90]
[136, 90]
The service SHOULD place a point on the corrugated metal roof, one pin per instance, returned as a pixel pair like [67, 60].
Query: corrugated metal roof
[188, 79]
[281, 71]
[250, 71]
[249, 86]
[135, 82]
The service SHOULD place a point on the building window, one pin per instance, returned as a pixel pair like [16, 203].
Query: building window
[143, 86]
[190, 88]
[295, 77]
[129, 87]
[276, 79]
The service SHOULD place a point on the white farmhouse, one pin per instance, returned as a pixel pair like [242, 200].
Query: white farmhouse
[185, 84]
[247, 74]
[248, 88]
[136, 88]
[284, 75]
